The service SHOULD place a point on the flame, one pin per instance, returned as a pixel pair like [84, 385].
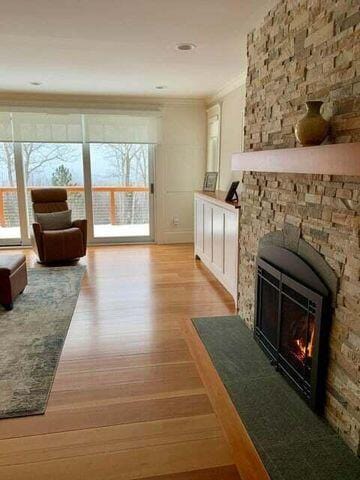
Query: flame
[306, 351]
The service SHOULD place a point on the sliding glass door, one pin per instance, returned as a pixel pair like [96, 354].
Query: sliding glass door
[104, 160]
[121, 191]
[119, 179]
[9, 205]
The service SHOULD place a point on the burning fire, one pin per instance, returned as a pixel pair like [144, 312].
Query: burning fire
[305, 350]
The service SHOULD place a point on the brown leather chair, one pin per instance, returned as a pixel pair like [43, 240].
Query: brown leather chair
[57, 245]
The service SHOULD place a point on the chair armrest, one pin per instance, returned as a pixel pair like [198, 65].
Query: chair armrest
[37, 240]
[82, 225]
[37, 228]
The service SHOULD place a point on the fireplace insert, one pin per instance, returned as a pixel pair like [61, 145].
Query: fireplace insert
[292, 321]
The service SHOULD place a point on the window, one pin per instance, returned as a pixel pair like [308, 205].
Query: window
[55, 165]
[9, 208]
[104, 160]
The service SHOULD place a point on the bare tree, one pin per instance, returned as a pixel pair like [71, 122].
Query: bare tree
[35, 157]
[38, 155]
[7, 159]
[142, 165]
[128, 164]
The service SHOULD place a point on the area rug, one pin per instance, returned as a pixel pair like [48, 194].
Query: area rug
[32, 336]
[293, 442]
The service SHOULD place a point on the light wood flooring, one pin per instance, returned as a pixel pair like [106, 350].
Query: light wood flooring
[127, 401]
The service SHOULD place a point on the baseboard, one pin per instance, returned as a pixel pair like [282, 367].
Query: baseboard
[177, 237]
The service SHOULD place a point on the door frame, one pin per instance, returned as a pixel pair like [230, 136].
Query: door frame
[92, 240]
[24, 238]
[25, 232]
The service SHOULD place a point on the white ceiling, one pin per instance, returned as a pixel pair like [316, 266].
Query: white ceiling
[124, 47]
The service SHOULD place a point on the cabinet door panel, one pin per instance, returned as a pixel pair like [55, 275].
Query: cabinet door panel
[208, 230]
[231, 246]
[218, 238]
[199, 225]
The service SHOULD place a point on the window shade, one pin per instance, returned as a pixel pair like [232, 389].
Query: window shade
[122, 128]
[5, 127]
[47, 127]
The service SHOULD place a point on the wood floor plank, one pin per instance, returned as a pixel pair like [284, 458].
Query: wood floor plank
[122, 394]
[113, 439]
[130, 346]
[127, 400]
[125, 361]
[228, 472]
[118, 376]
[114, 413]
[127, 464]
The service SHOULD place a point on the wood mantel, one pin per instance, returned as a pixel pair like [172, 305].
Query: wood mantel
[336, 159]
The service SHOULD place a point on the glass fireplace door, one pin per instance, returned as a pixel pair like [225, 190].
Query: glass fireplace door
[288, 321]
[297, 332]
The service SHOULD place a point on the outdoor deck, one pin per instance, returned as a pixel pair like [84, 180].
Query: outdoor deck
[100, 231]
[106, 226]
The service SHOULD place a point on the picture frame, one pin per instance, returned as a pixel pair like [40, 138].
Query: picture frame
[210, 181]
[232, 195]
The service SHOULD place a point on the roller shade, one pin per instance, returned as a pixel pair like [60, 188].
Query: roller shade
[122, 128]
[47, 127]
[5, 127]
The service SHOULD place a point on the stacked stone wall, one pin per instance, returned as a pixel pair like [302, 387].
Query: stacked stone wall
[307, 50]
[304, 50]
[327, 211]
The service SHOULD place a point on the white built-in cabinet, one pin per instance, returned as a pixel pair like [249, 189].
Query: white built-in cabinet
[216, 238]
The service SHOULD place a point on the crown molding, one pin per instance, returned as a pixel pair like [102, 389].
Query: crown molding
[111, 102]
[227, 88]
[214, 110]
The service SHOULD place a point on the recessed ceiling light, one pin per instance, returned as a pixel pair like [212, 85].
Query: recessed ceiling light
[161, 87]
[185, 47]
[36, 84]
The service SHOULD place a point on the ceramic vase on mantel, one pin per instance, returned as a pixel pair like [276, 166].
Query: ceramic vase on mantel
[312, 129]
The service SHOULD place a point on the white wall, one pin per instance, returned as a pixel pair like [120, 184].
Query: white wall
[180, 168]
[232, 110]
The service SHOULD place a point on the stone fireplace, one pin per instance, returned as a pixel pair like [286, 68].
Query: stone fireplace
[308, 50]
[324, 211]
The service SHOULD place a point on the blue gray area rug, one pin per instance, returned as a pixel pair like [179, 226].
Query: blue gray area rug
[292, 441]
[32, 336]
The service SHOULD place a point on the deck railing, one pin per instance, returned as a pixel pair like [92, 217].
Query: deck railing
[74, 189]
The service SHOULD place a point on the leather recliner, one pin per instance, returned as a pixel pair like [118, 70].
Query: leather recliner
[54, 246]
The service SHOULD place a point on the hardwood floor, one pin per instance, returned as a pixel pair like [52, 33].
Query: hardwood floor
[127, 401]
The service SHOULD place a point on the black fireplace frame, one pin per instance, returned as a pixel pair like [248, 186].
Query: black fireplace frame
[291, 271]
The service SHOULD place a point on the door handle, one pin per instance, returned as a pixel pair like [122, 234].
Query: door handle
[152, 188]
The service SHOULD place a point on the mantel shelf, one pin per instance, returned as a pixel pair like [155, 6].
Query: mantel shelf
[336, 159]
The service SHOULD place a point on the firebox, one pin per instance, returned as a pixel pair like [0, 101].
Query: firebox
[292, 321]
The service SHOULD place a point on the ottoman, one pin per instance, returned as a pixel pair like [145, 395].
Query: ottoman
[13, 278]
